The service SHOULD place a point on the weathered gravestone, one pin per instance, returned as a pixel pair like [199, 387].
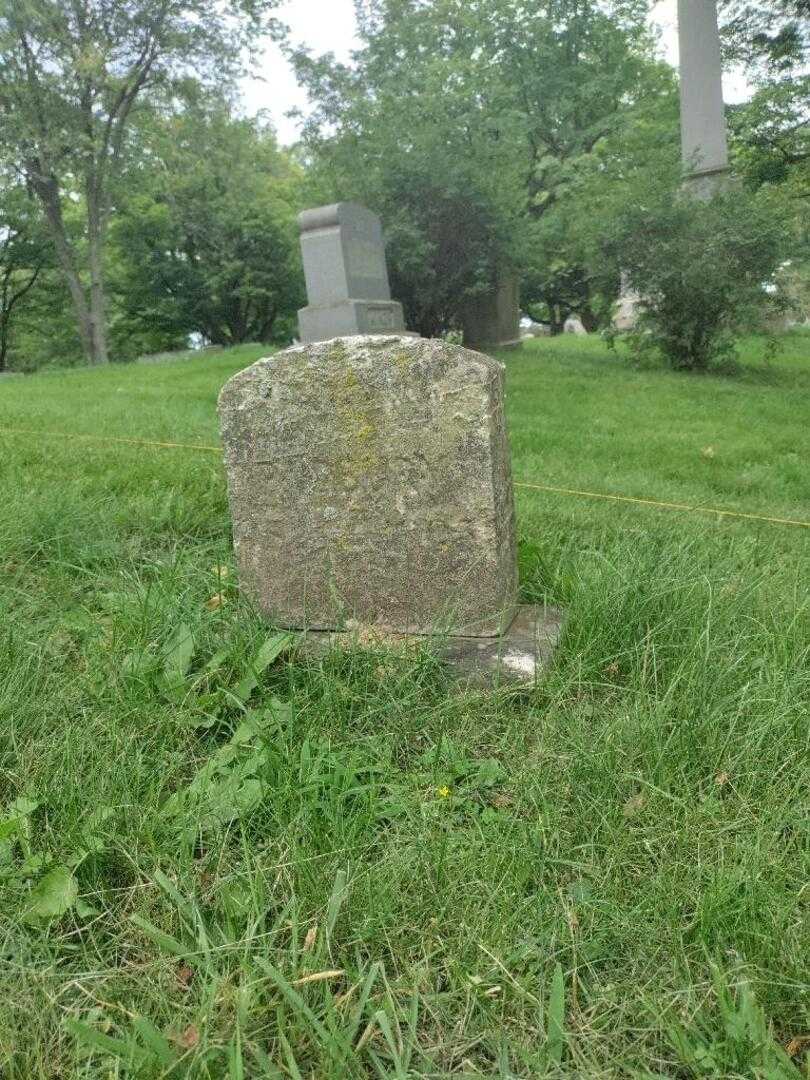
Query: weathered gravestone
[346, 275]
[370, 488]
[492, 321]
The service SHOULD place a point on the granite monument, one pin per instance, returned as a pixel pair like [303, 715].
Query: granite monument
[346, 275]
[704, 138]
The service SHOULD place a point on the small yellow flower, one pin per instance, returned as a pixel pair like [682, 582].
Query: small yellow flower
[444, 792]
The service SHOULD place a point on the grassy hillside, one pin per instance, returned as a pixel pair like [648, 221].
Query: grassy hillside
[373, 876]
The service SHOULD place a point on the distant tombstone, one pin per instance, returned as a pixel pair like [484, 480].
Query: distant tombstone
[492, 321]
[346, 275]
[573, 325]
[536, 330]
[628, 306]
[370, 487]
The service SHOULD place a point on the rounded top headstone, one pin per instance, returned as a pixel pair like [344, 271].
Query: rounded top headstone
[370, 479]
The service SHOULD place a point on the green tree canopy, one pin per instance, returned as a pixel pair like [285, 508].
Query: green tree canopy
[71, 73]
[206, 240]
[769, 36]
[771, 135]
[25, 252]
[771, 39]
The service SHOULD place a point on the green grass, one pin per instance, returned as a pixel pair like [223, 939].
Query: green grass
[613, 885]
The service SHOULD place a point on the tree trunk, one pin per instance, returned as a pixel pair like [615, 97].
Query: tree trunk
[89, 316]
[65, 259]
[95, 250]
[8, 301]
[556, 319]
[47, 191]
[266, 332]
[5, 315]
[588, 319]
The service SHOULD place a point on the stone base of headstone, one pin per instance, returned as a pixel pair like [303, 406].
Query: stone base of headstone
[515, 660]
[350, 318]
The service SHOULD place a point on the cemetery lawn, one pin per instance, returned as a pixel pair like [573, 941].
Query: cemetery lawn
[372, 876]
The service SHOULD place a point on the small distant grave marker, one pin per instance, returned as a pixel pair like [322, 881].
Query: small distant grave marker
[371, 491]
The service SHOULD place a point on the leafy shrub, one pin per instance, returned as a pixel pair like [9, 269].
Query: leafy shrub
[703, 266]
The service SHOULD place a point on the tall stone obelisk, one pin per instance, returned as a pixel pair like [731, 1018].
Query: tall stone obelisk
[704, 143]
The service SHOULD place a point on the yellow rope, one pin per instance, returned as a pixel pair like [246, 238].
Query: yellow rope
[518, 483]
[111, 439]
[665, 505]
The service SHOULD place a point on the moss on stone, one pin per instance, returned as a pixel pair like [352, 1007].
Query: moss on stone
[354, 416]
[404, 360]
